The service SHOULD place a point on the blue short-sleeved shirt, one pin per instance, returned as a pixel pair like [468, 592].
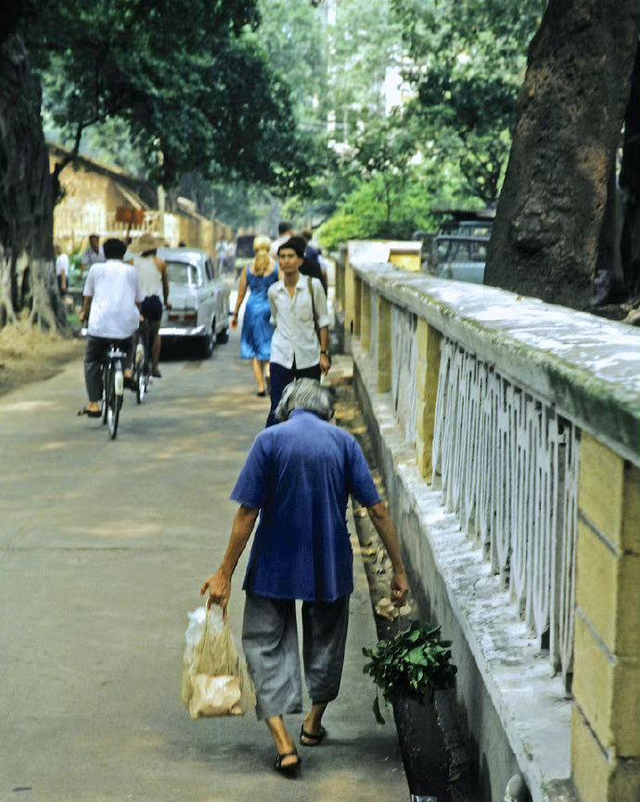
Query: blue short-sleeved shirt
[300, 474]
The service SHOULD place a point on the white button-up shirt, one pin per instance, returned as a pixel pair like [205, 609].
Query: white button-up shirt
[115, 292]
[295, 336]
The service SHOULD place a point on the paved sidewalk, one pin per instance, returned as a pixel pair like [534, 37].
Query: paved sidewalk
[104, 547]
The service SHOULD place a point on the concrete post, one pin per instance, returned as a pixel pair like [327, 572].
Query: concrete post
[384, 345]
[339, 292]
[357, 307]
[349, 303]
[365, 317]
[605, 732]
[428, 369]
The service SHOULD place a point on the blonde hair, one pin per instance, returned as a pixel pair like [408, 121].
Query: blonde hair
[262, 260]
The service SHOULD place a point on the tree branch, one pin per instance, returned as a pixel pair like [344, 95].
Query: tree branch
[71, 155]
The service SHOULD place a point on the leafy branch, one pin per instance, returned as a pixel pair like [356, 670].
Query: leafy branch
[414, 663]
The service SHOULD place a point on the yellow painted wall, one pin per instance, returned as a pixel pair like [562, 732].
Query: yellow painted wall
[605, 726]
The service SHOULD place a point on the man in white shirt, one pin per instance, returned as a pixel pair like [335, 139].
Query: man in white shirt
[62, 270]
[112, 301]
[300, 344]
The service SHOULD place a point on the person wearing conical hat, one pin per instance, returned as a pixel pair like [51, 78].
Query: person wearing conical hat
[154, 286]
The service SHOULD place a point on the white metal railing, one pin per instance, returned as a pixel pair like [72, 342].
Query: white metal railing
[403, 369]
[508, 467]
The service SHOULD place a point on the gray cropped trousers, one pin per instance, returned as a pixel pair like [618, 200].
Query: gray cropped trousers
[270, 643]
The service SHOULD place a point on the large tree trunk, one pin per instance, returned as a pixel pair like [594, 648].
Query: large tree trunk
[546, 236]
[27, 274]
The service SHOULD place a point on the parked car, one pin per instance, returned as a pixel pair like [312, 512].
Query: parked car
[460, 247]
[199, 299]
[461, 258]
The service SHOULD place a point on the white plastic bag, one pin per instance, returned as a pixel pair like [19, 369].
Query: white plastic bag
[215, 680]
[215, 696]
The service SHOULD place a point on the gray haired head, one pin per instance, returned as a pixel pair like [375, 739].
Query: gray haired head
[306, 394]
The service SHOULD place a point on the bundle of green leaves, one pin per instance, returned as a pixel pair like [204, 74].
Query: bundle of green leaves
[414, 663]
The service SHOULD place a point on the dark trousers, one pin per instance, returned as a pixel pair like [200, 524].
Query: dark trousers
[97, 349]
[280, 377]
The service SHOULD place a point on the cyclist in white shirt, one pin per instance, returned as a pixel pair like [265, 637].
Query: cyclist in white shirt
[154, 286]
[112, 301]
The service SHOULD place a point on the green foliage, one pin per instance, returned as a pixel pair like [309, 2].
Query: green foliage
[192, 83]
[295, 41]
[394, 206]
[468, 61]
[414, 663]
[365, 40]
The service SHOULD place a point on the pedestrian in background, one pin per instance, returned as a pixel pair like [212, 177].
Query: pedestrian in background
[221, 252]
[311, 267]
[300, 344]
[62, 270]
[94, 253]
[299, 475]
[257, 330]
[230, 256]
[285, 231]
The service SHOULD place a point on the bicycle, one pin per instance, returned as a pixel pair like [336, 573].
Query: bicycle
[112, 389]
[141, 363]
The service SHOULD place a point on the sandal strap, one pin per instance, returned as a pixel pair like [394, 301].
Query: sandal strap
[319, 736]
[280, 757]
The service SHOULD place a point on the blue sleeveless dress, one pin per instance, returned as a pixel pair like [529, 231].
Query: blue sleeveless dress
[255, 341]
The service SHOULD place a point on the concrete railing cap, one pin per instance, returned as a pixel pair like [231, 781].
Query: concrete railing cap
[586, 367]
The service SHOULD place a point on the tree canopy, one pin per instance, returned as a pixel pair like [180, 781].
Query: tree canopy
[467, 63]
[195, 90]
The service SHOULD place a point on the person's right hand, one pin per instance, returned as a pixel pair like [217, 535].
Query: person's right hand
[82, 317]
[234, 322]
[219, 587]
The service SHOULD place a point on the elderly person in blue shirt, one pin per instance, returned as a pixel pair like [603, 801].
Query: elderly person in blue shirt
[299, 476]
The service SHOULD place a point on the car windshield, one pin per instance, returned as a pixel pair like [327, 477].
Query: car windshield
[182, 273]
[452, 250]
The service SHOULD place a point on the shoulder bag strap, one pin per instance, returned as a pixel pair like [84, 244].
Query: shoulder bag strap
[313, 307]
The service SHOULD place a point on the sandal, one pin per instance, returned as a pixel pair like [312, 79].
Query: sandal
[90, 413]
[292, 768]
[312, 740]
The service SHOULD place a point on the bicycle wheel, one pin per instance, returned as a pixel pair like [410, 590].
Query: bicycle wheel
[114, 402]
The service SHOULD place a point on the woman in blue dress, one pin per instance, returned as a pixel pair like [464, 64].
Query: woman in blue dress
[257, 331]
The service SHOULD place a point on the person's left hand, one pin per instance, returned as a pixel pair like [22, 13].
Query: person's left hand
[325, 363]
[219, 587]
[399, 588]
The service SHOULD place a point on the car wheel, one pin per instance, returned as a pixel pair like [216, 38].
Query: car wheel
[208, 342]
[223, 337]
